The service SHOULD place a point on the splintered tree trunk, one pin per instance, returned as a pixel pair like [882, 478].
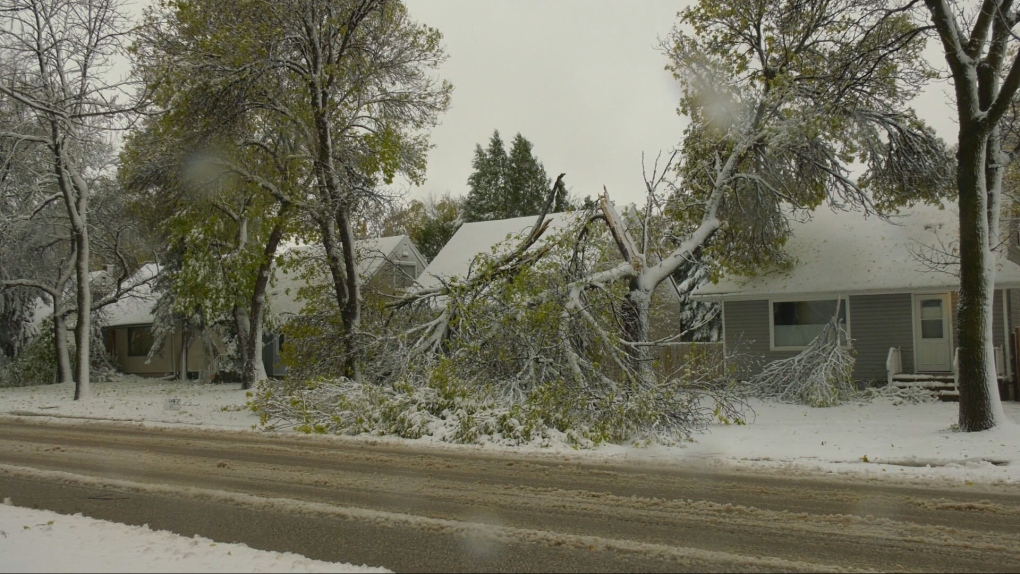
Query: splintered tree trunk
[980, 406]
[634, 316]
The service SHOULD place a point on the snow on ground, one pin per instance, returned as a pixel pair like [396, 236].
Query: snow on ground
[28, 539]
[877, 438]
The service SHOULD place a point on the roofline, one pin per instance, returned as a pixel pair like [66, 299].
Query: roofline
[745, 296]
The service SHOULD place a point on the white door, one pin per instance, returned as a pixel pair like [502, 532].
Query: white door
[932, 333]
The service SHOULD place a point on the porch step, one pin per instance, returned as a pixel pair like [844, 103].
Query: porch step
[942, 385]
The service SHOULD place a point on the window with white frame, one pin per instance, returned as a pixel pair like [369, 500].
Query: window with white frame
[796, 323]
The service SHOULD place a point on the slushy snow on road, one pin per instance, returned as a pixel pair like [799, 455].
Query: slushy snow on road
[44, 541]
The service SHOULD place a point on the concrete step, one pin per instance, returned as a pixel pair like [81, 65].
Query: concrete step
[923, 377]
[942, 385]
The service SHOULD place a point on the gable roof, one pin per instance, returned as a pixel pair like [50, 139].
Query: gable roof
[472, 239]
[134, 308]
[372, 255]
[846, 252]
[137, 308]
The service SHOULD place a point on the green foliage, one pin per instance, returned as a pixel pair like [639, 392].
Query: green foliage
[782, 98]
[35, 364]
[503, 186]
[429, 223]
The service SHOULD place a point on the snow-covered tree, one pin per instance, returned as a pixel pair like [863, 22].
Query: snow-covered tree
[55, 59]
[980, 45]
[347, 81]
[783, 98]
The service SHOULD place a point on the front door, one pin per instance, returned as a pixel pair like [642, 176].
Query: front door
[932, 333]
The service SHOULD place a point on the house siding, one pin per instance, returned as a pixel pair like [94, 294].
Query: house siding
[164, 360]
[746, 334]
[877, 322]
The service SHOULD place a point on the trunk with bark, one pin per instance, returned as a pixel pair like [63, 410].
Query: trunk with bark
[634, 316]
[82, 329]
[64, 372]
[351, 312]
[979, 398]
[254, 369]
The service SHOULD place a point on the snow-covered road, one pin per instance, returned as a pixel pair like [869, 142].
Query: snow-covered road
[440, 509]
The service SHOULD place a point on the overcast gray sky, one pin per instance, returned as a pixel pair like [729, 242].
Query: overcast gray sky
[583, 80]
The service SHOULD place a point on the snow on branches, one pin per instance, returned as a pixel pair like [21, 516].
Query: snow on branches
[821, 375]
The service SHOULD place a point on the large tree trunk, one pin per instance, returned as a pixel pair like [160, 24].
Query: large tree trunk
[634, 315]
[83, 328]
[254, 370]
[980, 407]
[64, 373]
[351, 312]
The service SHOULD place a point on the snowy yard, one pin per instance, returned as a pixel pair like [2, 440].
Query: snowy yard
[879, 439]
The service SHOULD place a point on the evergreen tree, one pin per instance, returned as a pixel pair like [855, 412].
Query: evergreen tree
[508, 185]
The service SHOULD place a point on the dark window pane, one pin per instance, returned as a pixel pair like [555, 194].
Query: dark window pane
[931, 329]
[139, 341]
[797, 323]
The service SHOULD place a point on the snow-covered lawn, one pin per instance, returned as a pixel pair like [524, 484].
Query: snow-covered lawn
[912, 442]
[876, 438]
[28, 539]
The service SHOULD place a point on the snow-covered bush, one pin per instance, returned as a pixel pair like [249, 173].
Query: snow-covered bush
[36, 362]
[901, 396]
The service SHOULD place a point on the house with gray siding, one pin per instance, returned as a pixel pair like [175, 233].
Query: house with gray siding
[896, 283]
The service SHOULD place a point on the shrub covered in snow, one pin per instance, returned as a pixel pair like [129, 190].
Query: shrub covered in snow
[901, 396]
[35, 364]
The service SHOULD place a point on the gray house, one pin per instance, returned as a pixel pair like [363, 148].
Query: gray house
[897, 284]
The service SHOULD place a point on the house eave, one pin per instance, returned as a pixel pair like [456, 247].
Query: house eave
[757, 295]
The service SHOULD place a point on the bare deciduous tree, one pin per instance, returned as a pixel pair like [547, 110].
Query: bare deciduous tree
[55, 60]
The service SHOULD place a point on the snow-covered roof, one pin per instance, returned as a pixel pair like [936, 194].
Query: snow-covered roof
[371, 253]
[135, 308]
[472, 239]
[847, 252]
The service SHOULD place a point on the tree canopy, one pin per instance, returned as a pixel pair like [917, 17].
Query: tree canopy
[505, 185]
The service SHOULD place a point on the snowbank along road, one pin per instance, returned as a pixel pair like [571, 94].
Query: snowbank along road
[427, 509]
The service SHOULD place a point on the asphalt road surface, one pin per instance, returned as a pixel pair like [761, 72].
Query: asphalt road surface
[431, 509]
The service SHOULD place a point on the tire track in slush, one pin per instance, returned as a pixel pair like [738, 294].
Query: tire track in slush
[673, 516]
